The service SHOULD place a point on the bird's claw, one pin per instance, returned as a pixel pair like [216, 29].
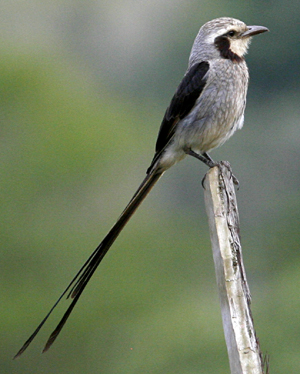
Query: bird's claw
[232, 176]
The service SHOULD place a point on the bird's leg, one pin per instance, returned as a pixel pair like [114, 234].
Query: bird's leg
[234, 178]
[204, 157]
[207, 156]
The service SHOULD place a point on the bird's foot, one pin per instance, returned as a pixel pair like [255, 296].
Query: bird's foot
[232, 176]
[204, 157]
[227, 165]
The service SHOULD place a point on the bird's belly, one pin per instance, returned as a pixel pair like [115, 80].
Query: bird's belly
[213, 134]
[201, 136]
[205, 134]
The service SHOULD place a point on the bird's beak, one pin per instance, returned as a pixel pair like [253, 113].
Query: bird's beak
[254, 30]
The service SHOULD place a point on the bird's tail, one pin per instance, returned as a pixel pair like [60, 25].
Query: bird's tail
[78, 283]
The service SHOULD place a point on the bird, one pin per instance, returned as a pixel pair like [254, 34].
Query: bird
[205, 111]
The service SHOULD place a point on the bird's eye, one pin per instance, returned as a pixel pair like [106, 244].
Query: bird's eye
[231, 33]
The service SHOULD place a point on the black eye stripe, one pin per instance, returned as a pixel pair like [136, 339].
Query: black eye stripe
[222, 43]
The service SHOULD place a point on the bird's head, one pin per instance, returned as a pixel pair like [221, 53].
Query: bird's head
[225, 37]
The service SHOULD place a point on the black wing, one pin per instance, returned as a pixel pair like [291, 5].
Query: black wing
[182, 103]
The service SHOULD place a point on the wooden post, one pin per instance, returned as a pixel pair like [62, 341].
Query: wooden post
[221, 206]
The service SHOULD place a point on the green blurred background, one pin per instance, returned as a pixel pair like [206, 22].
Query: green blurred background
[84, 86]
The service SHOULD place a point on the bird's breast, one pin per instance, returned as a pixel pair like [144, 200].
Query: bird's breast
[216, 115]
[219, 111]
